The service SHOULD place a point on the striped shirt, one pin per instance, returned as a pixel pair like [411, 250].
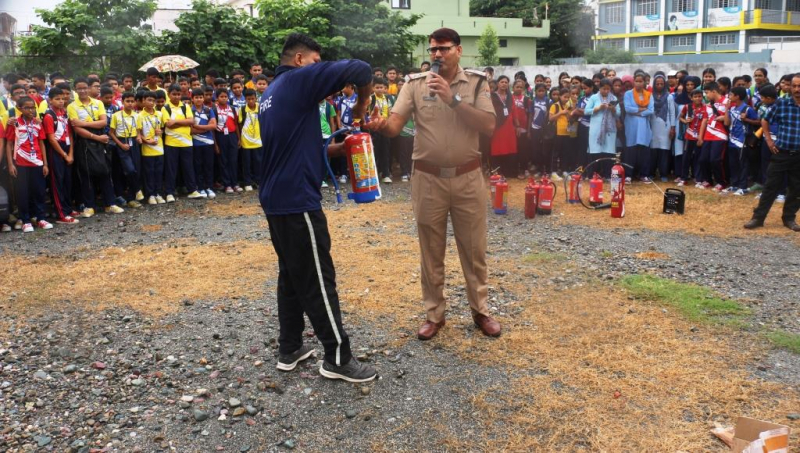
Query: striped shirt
[786, 115]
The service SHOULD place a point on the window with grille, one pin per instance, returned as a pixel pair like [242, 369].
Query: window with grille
[683, 41]
[766, 4]
[724, 3]
[792, 5]
[680, 6]
[401, 4]
[612, 43]
[722, 40]
[615, 13]
[647, 43]
[647, 7]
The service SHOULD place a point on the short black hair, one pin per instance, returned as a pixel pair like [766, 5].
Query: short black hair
[250, 92]
[747, 78]
[724, 81]
[261, 77]
[183, 79]
[127, 76]
[379, 81]
[55, 91]
[711, 86]
[152, 72]
[174, 87]
[39, 75]
[110, 77]
[255, 63]
[63, 85]
[539, 86]
[768, 90]
[376, 69]
[208, 89]
[740, 92]
[298, 42]
[221, 91]
[236, 82]
[24, 100]
[762, 70]
[16, 87]
[92, 80]
[391, 67]
[150, 94]
[160, 94]
[212, 73]
[219, 81]
[198, 92]
[105, 91]
[80, 80]
[237, 72]
[444, 35]
[128, 94]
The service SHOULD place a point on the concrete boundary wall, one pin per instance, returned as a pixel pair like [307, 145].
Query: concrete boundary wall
[776, 70]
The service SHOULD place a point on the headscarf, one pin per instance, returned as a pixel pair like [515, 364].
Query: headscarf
[683, 97]
[627, 78]
[661, 99]
[609, 122]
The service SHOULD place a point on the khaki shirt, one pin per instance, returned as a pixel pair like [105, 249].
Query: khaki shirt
[444, 139]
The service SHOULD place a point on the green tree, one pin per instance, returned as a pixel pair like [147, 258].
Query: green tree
[488, 45]
[219, 37]
[605, 55]
[100, 35]
[571, 23]
[373, 33]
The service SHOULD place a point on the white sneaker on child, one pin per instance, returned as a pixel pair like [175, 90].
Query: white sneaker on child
[27, 228]
[210, 194]
[44, 225]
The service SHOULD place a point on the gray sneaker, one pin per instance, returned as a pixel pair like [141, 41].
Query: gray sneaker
[288, 362]
[352, 371]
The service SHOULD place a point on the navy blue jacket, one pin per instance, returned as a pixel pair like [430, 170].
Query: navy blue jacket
[294, 164]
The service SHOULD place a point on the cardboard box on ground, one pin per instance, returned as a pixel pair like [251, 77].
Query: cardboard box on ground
[755, 436]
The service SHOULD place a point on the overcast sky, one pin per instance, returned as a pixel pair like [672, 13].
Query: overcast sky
[24, 10]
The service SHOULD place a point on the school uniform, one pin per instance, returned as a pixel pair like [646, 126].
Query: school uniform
[638, 134]
[383, 156]
[130, 160]
[715, 142]
[30, 183]
[691, 153]
[737, 159]
[178, 150]
[602, 138]
[583, 134]
[152, 155]
[539, 151]
[203, 149]
[660, 124]
[56, 122]
[228, 143]
[90, 111]
[252, 151]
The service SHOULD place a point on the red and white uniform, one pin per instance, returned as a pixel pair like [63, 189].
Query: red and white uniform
[25, 136]
[59, 128]
[226, 119]
[716, 130]
[693, 128]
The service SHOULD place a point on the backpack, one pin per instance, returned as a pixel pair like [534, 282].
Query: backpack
[169, 110]
[549, 126]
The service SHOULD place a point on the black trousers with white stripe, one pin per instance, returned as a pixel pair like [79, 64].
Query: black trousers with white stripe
[307, 284]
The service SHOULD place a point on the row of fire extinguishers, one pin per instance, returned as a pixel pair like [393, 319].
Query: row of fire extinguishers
[539, 196]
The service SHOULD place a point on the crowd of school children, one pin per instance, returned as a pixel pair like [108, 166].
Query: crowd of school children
[68, 145]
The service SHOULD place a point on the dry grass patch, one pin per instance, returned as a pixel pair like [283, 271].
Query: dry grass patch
[152, 279]
[152, 228]
[651, 256]
[707, 213]
[238, 207]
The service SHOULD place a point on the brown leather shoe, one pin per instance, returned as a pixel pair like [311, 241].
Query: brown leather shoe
[488, 325]
[429, 330]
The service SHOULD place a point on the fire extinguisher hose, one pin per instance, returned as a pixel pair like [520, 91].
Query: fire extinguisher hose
[585, 171]
[328, 162]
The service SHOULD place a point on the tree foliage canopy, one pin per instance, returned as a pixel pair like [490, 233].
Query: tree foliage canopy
[571, 26]
[488, 45]
[605, 55]
[93, 34]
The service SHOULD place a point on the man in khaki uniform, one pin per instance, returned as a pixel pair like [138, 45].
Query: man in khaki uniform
[450, 110]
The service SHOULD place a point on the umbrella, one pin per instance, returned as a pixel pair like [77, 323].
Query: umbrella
[170, 63]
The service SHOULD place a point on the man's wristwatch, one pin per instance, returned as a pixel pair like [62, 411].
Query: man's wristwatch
[456, 101]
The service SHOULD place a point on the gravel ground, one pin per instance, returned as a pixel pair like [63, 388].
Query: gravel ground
[203, 378]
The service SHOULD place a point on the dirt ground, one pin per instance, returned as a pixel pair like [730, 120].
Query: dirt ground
[581, 364]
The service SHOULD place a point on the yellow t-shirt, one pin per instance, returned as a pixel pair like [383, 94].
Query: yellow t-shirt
[124, 125]
[3, 109]
[42, 108]
[392, 89]
[147, 123]
[562, 123]
[251, 129]
[179, 137]
[91, 111]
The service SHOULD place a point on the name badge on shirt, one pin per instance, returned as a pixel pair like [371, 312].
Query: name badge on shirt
[225, 130]
[505, 111]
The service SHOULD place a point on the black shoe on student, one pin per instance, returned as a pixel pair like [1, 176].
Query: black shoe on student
[287, 362]
[792, 225]
[352, 371]
[754, 223]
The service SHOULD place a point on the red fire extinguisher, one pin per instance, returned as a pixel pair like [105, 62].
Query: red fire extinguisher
[596, 190]
[618, 190]
[574, 180]
[363, 169]
[500, 201]
[531, 198]
[547, 193]
[493, 180]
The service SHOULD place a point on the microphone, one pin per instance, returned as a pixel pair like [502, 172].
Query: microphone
[437, 64]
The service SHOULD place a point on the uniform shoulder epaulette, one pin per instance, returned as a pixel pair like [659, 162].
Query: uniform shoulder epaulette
[418, 75]
[475, 72]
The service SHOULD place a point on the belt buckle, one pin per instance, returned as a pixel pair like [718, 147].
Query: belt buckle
[447, 172]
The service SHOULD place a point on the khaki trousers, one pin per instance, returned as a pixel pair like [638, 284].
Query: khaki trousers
[464, 198]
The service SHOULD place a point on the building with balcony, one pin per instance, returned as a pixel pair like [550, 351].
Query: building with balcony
[517, 42]
[696, 31]
[8, 28]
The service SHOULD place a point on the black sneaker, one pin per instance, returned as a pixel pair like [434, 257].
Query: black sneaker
[352, 371]
[287, 362]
